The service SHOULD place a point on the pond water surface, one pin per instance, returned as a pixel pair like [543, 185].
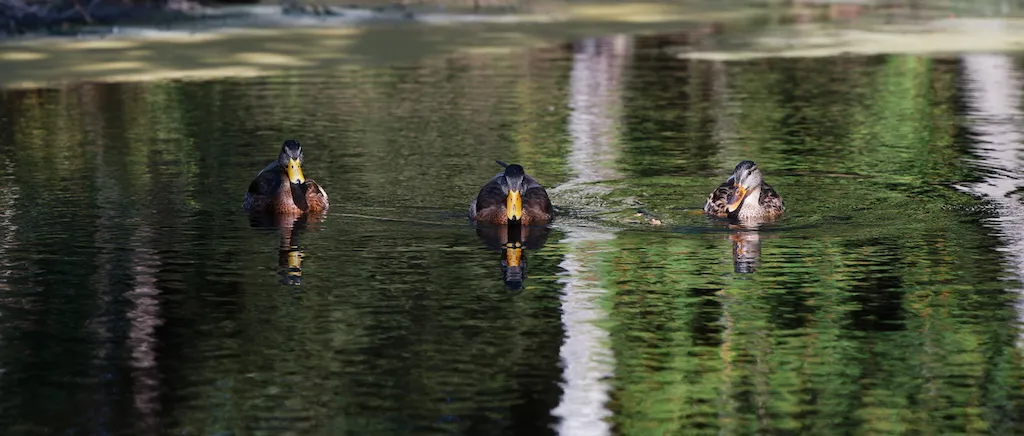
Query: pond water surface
[136, 297]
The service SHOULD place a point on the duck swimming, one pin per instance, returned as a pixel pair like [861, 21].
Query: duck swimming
[744, 195]
[281, 187]
[512, 196]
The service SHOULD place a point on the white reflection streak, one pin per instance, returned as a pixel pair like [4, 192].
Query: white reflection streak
[595, 98]
[993, 90]
[8, 230]
[145, 318]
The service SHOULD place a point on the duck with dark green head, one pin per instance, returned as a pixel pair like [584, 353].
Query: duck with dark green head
[512, 197]
[282, 188]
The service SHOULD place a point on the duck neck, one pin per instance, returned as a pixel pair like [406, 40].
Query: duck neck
[752, 203]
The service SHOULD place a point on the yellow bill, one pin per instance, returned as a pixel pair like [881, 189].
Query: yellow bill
[514, 206]
[737, 199]
[295, 172]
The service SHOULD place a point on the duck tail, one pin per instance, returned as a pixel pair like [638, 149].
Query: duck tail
[503, 164]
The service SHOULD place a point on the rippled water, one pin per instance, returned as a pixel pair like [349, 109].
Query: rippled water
[137, 298]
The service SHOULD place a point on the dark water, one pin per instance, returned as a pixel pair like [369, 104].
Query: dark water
[137, 298]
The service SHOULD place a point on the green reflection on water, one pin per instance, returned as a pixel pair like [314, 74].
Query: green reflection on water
[878, 305]
[138, 296]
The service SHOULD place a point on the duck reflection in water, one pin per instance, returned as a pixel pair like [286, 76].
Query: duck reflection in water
[513, 241]
[746, 249]
[289, 227]
[746, 243]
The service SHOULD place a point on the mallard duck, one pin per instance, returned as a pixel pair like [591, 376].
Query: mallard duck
[512, 196]
[281, 187]
[744, 195]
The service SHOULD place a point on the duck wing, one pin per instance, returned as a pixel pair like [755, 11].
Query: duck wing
[491, 196]
[316, 197]
[535, 199]
[716, 204]
[771, 200]
[267, 182]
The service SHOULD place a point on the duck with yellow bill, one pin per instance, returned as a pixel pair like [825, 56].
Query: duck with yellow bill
[512, 197]
[281, 187]
[745, 196]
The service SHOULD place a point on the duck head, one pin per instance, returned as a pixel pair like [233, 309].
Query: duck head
[746, 179]
[290, 159]
[513, 184]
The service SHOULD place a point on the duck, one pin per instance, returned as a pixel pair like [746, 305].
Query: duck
[744, 196]
[282, 188]
[512, 197]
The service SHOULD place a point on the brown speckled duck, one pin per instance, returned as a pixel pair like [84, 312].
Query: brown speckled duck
[744, 195]
[281, 187]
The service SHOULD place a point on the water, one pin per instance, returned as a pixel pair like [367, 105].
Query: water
[137, 297]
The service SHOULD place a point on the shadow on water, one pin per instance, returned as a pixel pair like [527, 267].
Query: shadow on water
[513, 241]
